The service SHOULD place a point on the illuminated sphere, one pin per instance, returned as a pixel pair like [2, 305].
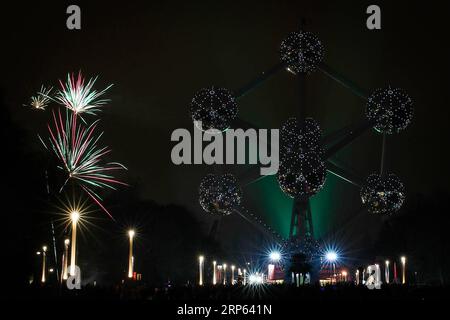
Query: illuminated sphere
[219, 194]
[383, 194]
[214, 107]
[302, 174]
[300, 136]
[391, 108]
[306, 245]
[302, 51]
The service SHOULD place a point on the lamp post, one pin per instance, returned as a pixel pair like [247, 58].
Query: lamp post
[378, 274]
[214, 273]
[245, 277]
[44, 254]
[65, 258]
[224, 274]
[332, 257]
[275, 256]
[200, 266]
[403, 259]
[386, 271]
[232, 274]
[220, 273]
[74, 216]
[131, 234]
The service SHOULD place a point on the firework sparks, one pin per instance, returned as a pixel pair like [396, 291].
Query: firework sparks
[80, 97]
[76, 146]
[41, 100]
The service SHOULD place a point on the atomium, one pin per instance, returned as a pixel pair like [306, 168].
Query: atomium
[300, 136]
[383, 194]
[215, 108]
[391, 109]
[302, 52]
[302, 170]
[302, 174]
[306, 245]
[219, 194]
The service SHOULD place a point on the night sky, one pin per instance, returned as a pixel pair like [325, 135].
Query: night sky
[158, 54]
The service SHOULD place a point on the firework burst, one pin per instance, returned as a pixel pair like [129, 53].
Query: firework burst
[80, 97]
[41, 100]
[76, 146]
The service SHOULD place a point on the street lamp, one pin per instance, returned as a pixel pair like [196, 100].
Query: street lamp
[214, 273]
[200, 266]
[74, 217]
[331, 257]
[403, 259]
[224, 274]
[386, 271]
[219, 272]
[44, 251]
[275, 256]
[377, 274]
[232, 274]
[131, 234]
[65, 258]
[256, 278]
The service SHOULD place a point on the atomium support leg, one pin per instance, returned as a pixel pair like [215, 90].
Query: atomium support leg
[259, 80]
[333, 74]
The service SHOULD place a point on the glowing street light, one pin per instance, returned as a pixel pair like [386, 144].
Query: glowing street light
[219, 272]
[403, 260]
[201, 259]
[74, 217]
[344, 275]
[214, 273]
[378, 274]
[386, 271]
[131, 235]
[245, 277]
[224, 274]
[331, 256]
[275, 256]
[255, 279]
[65, 258]
[232, 274]
[44, 251]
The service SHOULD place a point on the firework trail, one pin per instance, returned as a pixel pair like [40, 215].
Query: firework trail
[76, 146]
[80, 97]
[41, 100]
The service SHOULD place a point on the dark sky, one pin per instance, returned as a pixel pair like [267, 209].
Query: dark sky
[159, 53]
